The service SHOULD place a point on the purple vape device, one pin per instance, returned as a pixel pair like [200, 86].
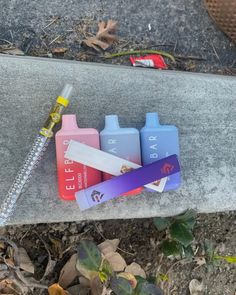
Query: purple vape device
[119, 185]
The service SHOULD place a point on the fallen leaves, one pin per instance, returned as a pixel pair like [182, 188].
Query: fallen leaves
[7, 287]
[196, 287]
[56, 289]
[129, 277]
[12, 51]
[16, 270]
[108, 249]
[24, 261]
[200, 261]
[105, 36]
[109, 246]
[116, 261]
[59, 50]
[68, 272]
[56, 246]
[135, 269]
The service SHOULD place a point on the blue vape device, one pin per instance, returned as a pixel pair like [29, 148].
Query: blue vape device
[121, 142]
[157, 142]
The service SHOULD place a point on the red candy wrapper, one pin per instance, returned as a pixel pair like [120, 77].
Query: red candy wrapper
[149, 61]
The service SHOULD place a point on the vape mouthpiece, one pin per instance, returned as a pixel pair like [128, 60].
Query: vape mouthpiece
[66, 91]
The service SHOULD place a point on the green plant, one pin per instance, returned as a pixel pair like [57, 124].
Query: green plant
[178, 242]
[106, 270]
[212, 259]
[179, 234]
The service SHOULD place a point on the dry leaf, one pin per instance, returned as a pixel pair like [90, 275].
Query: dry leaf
[4, 271]
[96, 286]
[56, 289]
[107, 291]
[57, 246]
[130, 277]
[136, 270]
[200, 261]
[84, 282]
[14, 51]
[116, 261]
[2, 245]
[109, 246]
[68, 272]
[59, 50]
[196, 287]
[10, 262]
[88, 274]
[104, 37]
[25, 262]
[9, 287]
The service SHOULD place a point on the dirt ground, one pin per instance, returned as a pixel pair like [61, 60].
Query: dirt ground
[139, 239]
[139, 242]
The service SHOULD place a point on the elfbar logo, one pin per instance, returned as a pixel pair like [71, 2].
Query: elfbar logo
[96, 196]
[167, 168]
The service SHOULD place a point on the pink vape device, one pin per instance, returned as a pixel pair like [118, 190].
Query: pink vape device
[72, 176]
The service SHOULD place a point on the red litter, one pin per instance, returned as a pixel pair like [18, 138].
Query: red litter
[149, 61]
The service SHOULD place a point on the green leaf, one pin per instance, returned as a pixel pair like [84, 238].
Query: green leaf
[102, 276]
[170, 248]
[161, 223]
[181, 233]
[151, 279]
[188, 218]
[188, 214]
[121, 286]
[229, 259]
[106, 268]
[210, 250]
[148, 289]
[140, 279]
[89, 256]
[161, 277]
[188, 252]
[190, 223]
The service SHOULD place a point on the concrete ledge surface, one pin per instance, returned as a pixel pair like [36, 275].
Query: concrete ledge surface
[202, 107]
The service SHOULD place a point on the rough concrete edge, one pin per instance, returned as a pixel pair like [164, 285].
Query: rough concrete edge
[103, 219]
[95, 64]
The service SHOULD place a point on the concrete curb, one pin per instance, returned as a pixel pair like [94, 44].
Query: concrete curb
[201, 105]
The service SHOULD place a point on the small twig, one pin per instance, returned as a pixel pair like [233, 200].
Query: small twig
[11, 35]
[51, 22]
[99, 231]
[234, 62]
[73, 246]
[159, 263]
[28, 283]
[126, 252]
[216, 54]
[176, 43]
[6, 41]
[55, 39]
[47, 269]
[118, 54]
[189, 57]
[24, 235]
